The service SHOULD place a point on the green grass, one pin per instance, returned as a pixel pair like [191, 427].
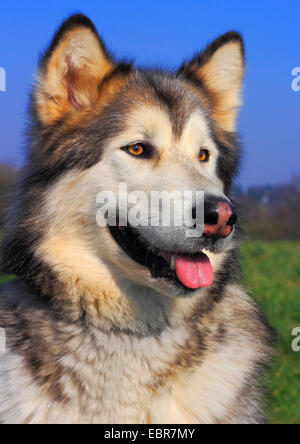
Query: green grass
[272, 275]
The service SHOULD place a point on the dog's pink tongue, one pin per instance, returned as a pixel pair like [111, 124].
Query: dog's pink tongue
[194, 273]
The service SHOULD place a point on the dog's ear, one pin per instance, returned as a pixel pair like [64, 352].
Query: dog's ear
[71, 71]
[219, 70]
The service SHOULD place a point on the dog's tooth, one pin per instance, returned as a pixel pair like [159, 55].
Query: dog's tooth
[173, 262]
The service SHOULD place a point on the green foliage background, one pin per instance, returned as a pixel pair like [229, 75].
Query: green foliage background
[272, 275]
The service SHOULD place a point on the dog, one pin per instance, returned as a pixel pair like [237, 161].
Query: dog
[128, 324]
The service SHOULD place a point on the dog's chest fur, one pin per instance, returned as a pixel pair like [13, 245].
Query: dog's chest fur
[196, 373]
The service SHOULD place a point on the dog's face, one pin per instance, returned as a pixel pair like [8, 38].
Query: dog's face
[103, 124]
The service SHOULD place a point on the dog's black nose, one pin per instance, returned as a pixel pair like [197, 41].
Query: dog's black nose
[219, 218]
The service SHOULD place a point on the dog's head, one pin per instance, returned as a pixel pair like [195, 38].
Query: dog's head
[98, 124]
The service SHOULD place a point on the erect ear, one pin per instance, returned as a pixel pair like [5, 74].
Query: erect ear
[219, 69]
[71, 70]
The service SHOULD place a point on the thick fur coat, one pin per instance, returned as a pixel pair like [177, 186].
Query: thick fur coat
[92, 335]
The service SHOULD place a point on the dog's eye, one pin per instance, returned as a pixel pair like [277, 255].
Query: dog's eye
[139, 149]
[204, 155]
[136, 150]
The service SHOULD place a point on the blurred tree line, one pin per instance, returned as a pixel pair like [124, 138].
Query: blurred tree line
[268, 212]
[271, 212]
[8, 178]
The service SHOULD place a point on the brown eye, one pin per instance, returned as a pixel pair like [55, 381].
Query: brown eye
[204, 155]
[136, 150]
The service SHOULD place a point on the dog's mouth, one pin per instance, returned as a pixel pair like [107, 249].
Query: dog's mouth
[189, 271]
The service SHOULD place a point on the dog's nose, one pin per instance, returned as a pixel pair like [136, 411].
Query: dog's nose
[219, 218]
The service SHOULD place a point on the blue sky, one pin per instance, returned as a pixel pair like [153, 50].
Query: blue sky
[165, 33]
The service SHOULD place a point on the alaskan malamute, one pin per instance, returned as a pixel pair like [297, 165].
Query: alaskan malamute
[123, 323]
